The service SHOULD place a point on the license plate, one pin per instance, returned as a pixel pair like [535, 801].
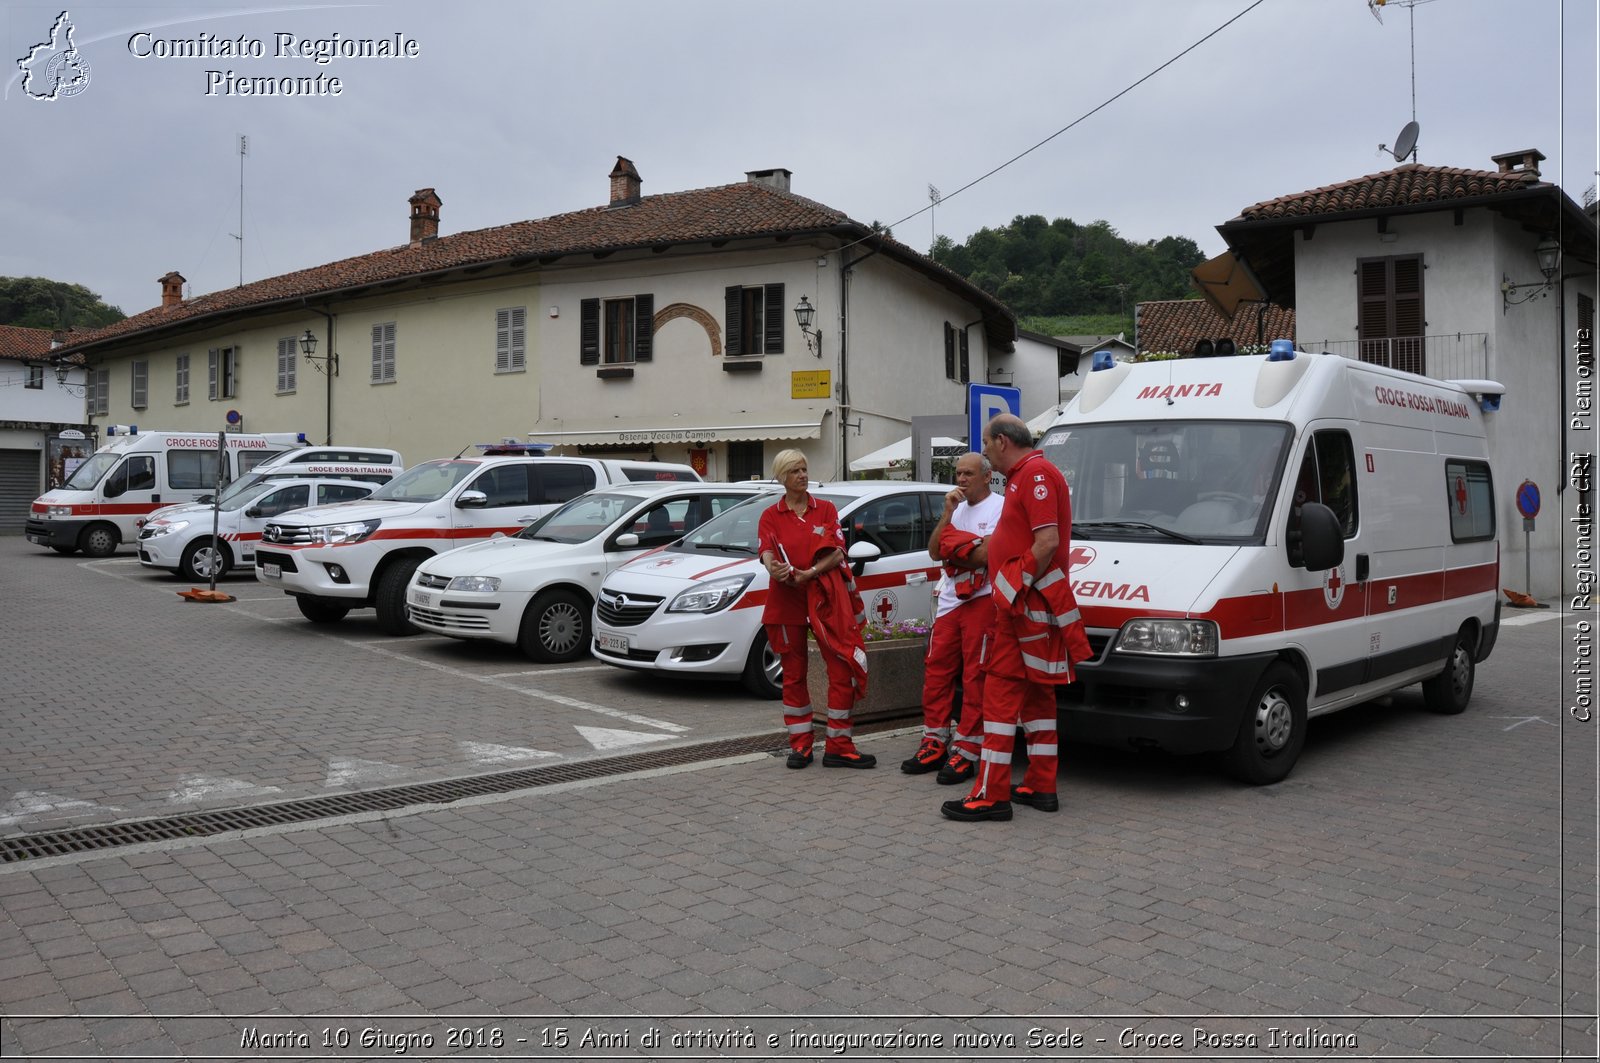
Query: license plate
[612, 643]
[38, 540]
[421, 599]
[270, 570]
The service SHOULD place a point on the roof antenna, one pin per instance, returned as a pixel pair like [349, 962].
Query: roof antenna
[239, 236]
[1405, 145]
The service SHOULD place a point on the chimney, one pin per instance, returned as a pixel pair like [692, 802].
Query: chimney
[171, 289]
[425, 204]
[1516, 162]
[625, 182]
[778, 178]
[58, 338]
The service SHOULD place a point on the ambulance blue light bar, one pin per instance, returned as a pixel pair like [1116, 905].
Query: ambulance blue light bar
[1281, 351]
[1102, 360]
[122, 430]
[515, 448]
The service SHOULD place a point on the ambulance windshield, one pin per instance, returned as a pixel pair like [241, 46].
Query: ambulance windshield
[1196, 481]
[85, 476]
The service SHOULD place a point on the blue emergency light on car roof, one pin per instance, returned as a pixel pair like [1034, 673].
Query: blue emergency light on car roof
[510, 447]
[1281, 351]
[1102, 360]
[122, 430]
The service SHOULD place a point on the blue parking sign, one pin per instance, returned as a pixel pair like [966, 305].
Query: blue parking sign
[984, 401]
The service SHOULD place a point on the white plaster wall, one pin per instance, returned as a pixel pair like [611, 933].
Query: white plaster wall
[51, 403]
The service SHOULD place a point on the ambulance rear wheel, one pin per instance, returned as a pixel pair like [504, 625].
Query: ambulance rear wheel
[1273, 730]
[321, 610]
[763, 671]
[1448, 692]
[204, 559]
[99, 540]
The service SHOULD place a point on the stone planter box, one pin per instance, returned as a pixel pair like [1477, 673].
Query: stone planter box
[894, 680]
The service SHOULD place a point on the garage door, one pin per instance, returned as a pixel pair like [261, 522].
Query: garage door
[19, 486]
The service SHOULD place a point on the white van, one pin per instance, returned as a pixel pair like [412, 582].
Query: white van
[101, 504]
[1258, 540]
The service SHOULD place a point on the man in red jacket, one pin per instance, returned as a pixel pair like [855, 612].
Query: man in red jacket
[1035, 530]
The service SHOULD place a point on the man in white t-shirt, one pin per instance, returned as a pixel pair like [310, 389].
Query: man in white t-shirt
[963, 622]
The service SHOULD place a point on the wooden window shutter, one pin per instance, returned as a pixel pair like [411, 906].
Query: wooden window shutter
[212, 358]
[733, 319]
[949, 352]
[519, 337]
[774, 321]
[589, 332]
[966, 371]
[383, 352]
[502, 341]
[1407, 296]
[644, 322]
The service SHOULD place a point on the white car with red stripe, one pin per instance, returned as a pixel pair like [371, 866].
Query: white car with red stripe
[694, 608]
[1260, 540]
[333, 559]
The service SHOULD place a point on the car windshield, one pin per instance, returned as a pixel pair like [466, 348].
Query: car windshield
[581, 519]
[237, 488]
[231, 500]
[735, 530]
[85, 476]
[1172, 481]
[428, 482]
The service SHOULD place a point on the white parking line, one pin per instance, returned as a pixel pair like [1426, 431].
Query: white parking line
[1536, 616]
[552, 671]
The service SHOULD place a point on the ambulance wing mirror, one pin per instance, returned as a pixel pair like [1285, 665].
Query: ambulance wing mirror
[1321, 538]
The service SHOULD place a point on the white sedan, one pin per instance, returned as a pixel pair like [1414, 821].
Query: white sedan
[695, 608]
[535, 590]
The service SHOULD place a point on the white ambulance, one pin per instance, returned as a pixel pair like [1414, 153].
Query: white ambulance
[1259, 540]
[101, 504]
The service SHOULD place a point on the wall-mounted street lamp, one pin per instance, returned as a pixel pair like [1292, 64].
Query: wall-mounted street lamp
[1548, 252]
[328, 364]
[804, 314]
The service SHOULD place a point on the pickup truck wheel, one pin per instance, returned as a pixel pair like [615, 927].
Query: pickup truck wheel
[555, 628]
[1273, 730]
[390, 597]
[99, 540]
[763, 671]
[321, 610]
[1448, 692]
[203, 559]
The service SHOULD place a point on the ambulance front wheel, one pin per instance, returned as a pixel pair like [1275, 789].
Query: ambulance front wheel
[1449, 691]
[1273, 730]
[99, 540]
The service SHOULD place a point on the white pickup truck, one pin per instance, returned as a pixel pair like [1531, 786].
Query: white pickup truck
[356, 555]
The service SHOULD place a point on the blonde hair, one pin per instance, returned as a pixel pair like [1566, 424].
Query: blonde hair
[785, 463]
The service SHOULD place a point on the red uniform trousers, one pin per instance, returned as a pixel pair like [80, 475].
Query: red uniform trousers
[956, 648]
[790, 643]
[1011, 699]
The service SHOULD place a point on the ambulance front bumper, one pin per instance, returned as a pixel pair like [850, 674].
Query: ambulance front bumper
[59, 532]
[1181, 705]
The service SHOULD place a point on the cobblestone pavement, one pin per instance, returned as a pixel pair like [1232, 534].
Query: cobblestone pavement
[1420, 886]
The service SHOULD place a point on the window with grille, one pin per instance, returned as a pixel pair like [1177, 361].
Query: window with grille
[35, 377]
[181, 374]
[1391, 322]
[222, 368]
[510, 339]
[99, 392]
[383, 353]
[286, 364]
[140, 397]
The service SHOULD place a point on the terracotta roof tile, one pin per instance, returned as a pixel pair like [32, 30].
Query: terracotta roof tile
[1408, 185]
[1176, 325]
[24, 344]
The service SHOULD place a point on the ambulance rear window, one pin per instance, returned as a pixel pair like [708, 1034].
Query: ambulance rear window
[1470, 493]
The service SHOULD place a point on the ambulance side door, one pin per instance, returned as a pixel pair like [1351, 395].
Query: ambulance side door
[1326, 612]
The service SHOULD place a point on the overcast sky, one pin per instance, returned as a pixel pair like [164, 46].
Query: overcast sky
[516, 110]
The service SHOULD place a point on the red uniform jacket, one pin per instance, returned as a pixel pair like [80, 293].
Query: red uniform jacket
[1045, 615]
[958, 545]
[836, 615]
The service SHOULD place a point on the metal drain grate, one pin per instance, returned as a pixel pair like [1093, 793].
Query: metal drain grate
[220, 821]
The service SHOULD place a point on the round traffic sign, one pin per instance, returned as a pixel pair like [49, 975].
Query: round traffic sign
[1528, 499]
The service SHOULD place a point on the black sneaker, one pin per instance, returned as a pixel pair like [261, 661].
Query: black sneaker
[849, 760]
[973, 811]
[1043, 802]
[956, 769]
[926, 758]
[798, 759]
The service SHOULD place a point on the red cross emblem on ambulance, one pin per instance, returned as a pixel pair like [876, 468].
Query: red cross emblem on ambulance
[1461, 495]
[1333, 588]
[1080, 556]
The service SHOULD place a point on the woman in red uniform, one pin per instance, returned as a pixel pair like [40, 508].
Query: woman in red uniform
[800, 539]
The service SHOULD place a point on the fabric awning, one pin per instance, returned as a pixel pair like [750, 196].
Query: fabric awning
[884, 457]
[673, 430]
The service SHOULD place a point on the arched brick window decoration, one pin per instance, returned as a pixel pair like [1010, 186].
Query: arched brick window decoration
[698, 316]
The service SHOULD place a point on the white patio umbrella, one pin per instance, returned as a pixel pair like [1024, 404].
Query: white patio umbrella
[883, 457]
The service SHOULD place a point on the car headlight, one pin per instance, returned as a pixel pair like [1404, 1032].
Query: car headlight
[1169, 638]
[58, 511]
[163, 527]
[335, 534]
[711, 596]
[481, 584]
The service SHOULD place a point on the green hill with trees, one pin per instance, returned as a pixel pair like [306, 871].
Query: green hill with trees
[35, 302]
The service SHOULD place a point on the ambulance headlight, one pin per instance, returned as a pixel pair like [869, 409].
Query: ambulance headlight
[480, 584]
[336, 534]
[1168, 638]
[58, 511]
[711, 596]
[163, 527]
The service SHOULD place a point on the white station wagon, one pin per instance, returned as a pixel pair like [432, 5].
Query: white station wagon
[695, 607]
[536, 589]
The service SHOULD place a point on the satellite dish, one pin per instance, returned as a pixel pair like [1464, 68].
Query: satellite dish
[1405, 143]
